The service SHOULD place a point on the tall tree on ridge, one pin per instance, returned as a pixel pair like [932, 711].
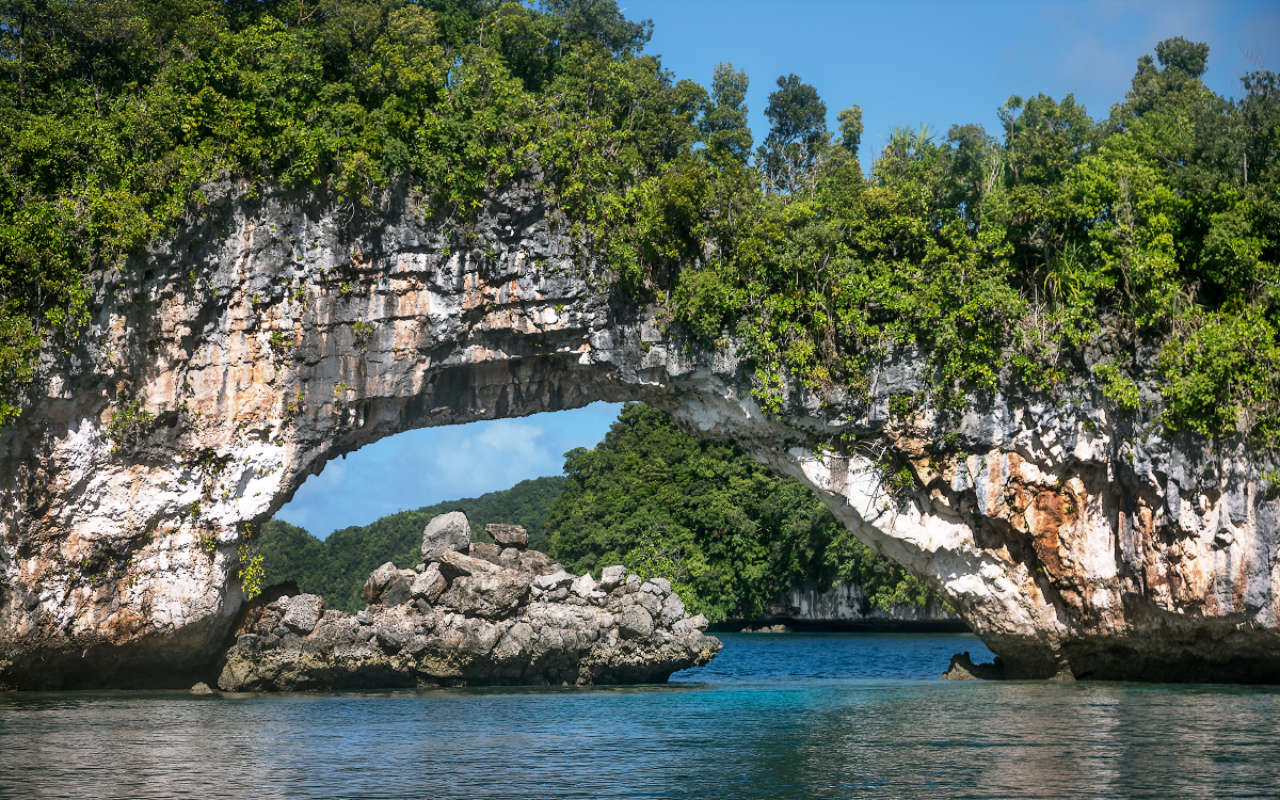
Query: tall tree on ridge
[723, 125]
[797, 136]
[851, 129]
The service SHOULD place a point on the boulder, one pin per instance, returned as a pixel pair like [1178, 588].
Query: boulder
[510, 557]
[378, 581]
[583, 586]
[444, 533]
[635, 623]
[672, 609]
[429, 585]
[646, 600]
[487, 551]
[508, 535]
[537, 563]
[612, 577]
[393, 632]
[555, 580]
[399, 590]
[683, 627]
[489, 595]
[301, 613]
[454, 565]
[654, 588]
[516, 643]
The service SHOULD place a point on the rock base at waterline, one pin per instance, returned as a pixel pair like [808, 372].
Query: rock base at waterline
[491, 616]
[962, 668]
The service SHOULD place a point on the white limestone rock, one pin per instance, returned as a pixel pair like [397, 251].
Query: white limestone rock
[445, 532]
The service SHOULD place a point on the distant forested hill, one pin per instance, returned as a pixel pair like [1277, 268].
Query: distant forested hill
[337, 567]
[729, 534]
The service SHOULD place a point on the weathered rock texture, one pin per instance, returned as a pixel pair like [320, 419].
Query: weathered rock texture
[845, 606]
[488, 622]
[268, 337]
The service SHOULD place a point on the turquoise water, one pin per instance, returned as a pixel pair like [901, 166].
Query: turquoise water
[774, 716]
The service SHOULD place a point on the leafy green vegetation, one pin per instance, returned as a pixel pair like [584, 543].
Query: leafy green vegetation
[118, 118]
[727, 533]
[251, 572]
[338, 566]
[1157, 224]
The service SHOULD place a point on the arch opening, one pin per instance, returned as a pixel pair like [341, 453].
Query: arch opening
[180, 421]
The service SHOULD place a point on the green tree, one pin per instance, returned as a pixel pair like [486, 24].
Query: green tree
[851, 129]
[797, 136]
[723, 125]
[727, 533]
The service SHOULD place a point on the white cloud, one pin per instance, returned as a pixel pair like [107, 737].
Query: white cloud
[493, 455]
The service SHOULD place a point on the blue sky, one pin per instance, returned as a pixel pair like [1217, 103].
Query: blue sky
[418, 468]
[905, 63]
[941, 63]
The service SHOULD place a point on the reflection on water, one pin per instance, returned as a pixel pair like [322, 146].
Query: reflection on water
[853, 715]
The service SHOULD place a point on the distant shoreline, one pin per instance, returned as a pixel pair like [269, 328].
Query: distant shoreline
[791, 625]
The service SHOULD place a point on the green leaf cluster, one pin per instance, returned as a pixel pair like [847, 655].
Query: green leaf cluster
[1006, 257]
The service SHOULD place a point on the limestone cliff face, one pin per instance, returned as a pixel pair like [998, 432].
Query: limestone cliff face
[846, 605]
[270, 336]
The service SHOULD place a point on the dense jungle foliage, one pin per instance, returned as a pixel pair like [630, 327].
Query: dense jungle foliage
[726, 532]
[1155, 225]
[337, 566]
[729, 534]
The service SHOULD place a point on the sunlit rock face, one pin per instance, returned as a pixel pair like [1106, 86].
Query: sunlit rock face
[491, 615]
[270, 336]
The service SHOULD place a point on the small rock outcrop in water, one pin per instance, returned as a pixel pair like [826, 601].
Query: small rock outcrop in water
[493, 615]
[962, 668]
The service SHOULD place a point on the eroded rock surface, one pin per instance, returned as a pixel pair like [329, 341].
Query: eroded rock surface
[487, 623]
[270, 336]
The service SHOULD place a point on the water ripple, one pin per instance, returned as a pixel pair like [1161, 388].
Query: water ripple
[772, 717]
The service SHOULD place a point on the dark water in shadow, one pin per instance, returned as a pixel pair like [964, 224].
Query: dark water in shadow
[775, 716]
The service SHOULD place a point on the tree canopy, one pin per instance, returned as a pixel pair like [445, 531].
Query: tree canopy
[1153, 230]
[728, 534]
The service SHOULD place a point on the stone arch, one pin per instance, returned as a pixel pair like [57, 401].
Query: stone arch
[270, 336]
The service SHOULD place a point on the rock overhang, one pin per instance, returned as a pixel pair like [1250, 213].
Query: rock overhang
[234, 360]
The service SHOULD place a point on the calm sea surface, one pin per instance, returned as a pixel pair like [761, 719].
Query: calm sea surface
[775, 716]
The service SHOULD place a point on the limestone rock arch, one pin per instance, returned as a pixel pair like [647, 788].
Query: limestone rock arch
[270, 336]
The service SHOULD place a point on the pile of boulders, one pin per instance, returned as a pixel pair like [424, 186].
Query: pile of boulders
[471, 613]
